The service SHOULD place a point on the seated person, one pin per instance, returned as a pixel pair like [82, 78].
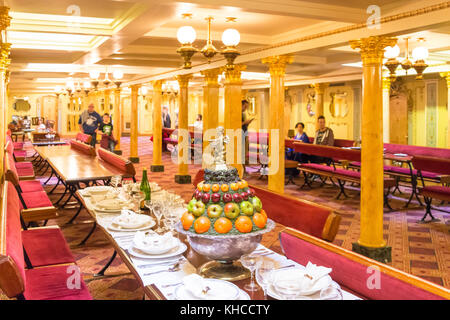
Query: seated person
[302, 137]
[324, 137]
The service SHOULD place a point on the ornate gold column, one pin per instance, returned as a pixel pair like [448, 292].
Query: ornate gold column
[157, 165]
[107, 100]
[134, 124]
[117, 123]
[183, 176]
[233, 115]
[386, 109]
[371, 242]
[319, 88]
[446, 75]
[210, 103]
[277, 69]
[5, 48]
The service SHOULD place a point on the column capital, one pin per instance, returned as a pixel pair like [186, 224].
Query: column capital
[320, 87]
[277, 64]
[387, 83]
[183, 80]
[446, 75]
[5, 61]
[233, 76]
[5, 18]
[372, 48]
[135, 87]
[211, 77]
[117, 90]
[157, 85]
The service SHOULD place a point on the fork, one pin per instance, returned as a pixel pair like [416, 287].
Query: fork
[175, 268]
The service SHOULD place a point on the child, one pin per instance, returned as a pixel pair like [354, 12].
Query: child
[106, 128]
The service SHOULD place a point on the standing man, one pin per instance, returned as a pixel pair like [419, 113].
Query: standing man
[89, 122]
[167, 123]
[245, 123]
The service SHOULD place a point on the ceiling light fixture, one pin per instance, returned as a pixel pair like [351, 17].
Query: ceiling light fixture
[186, 35]
[94, 75]
[118, 76]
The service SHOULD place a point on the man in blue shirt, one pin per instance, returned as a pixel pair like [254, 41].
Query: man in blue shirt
[89, 122]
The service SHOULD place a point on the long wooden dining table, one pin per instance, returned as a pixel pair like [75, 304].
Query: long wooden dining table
[152, 286]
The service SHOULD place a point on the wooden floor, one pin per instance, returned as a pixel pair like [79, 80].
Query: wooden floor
[423, 250]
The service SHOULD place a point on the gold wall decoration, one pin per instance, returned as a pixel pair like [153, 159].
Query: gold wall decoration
[338, 104]
[311, 104]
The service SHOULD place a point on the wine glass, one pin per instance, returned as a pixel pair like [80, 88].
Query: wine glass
[170, 220]
[264, 277]
[249, 261]
[115, 182]
[138, 196]
[157, 207]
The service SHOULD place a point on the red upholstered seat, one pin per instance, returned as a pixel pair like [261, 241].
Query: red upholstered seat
[25, 172]
[46, 246]
[51, 284]
[317, 166]
[171, 141]
[20, 153]
[439, 192]
[24, 165]
[407, 171]
[350, 273]
[296, 213]
[18, 145]
[30, 186]
[37, 199]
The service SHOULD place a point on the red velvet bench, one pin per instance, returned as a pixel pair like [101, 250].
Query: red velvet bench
[84, 138]
[24, 185]
[316, 220]
[83, 148]
[342, 175]
[124, 165]
[19, 277]
[439, 166]
[353, 272]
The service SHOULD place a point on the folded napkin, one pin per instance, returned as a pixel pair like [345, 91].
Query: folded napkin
[111, 204]
[129, 219]
[153, 243]
[196, 285]
[314, 272]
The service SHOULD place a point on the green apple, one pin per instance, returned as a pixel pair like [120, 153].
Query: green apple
[191, 204]
[215, 210]
[231, 210]
[198, 208]
[246, 208]
[257, 204]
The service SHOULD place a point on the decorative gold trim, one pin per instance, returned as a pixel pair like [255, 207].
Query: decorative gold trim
[233, 76]
[446, 75]
[277, 64]
[211, 77]
[183, 80]
[372, 48]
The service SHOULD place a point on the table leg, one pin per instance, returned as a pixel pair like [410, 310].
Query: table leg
[89, 234]
[101, 273]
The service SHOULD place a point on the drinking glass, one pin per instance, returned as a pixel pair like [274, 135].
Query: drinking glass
[249, 261]
[170, 220]
[138, 196]
[158, 208]
[264, 277]
[116, 180]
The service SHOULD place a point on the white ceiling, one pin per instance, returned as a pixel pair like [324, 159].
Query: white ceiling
[54, 40]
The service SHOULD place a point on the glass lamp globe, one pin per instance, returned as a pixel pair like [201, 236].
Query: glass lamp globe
[144, 91]
[94, 74]
[117, 74]
[186, 35]
[392, 52]
[86, 84]
[231, 37]
[420, 53]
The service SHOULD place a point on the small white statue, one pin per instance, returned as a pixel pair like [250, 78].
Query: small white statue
[219, 150]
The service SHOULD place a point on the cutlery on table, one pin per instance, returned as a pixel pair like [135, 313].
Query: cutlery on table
[175, 268]
[172, 262]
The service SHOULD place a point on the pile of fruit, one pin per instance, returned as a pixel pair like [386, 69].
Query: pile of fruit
[224, 208]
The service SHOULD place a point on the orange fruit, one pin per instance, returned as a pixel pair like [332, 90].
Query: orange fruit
[243, 184]
[215, 187]
[186, 220]
[259, 220]
[264, 213]
[234, 186]
[223, 225]
[244, 224]
[224, 187]
[202, 224]
[200, 186]
[206, 187]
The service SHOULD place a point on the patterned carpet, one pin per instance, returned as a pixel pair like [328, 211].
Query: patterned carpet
[419, 249]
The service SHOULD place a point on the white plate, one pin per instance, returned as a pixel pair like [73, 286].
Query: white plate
[272, 292]
[174, 252]
[96, 190]
[140, 221]
[223, 290]
[150, 224]
[159, 251]
[243, 295]
[319, 285]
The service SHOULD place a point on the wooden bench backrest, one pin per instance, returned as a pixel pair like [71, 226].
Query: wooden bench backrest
[417, 150]
[117, 161]
[432, 164]
[351, 270]
[328, 151]
[303, 215]
[82, 147]
[12, 263]
[10, 170]
[82, 137]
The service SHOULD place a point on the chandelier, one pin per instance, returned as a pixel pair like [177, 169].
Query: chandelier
[186, 35]
[95, 81]
[419, 54]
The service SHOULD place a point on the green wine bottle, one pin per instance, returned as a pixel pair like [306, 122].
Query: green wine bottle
[145, 188]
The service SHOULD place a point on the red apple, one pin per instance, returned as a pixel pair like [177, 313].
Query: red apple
[227, 197]
[205, 197]
[245, 195]
[237, 197]
[198, 195]
[231, 210]
[251, 192]
[215, 197]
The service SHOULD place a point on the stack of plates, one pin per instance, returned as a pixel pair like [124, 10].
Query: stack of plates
[110, 205]
[152, 246]
[131, 222]
[218, 290]
[96, 190]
